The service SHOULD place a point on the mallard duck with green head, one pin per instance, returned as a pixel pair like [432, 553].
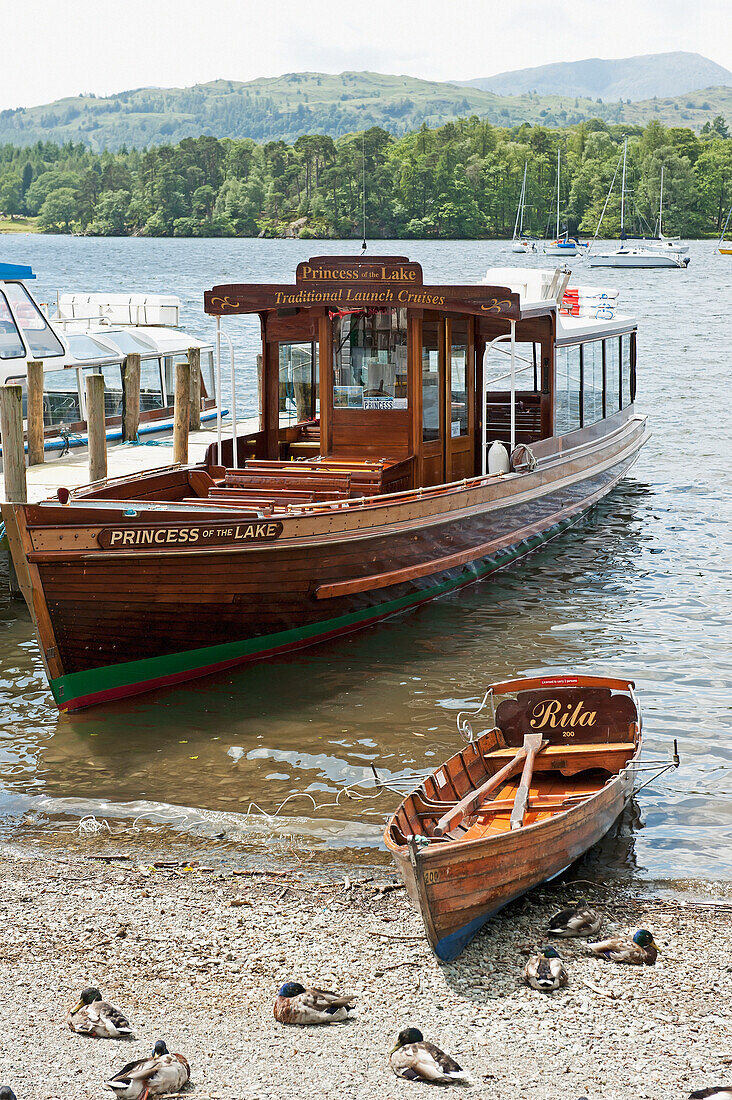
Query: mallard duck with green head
[98, 1019]
[578, 922]
[159, 1075]
[298, 1004]
[416, 1060]
[546, 971]
[640, 951]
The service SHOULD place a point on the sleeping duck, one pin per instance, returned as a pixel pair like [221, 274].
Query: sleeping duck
[415, 1060]
[297, 1005]
[160, 1074]
[97, 1018]
[641, 949]
[581, 921]
[546, 971]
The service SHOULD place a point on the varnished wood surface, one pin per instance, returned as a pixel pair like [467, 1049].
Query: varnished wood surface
[483, 864]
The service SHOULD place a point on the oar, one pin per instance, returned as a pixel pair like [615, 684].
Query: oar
[532, 745]
[470, 803]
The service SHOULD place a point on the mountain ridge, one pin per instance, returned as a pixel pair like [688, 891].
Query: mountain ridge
[641, 77]
[298, 104]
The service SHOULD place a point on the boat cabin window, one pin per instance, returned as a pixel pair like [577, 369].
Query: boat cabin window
[497, 368]
[625, 378]
[592, 405]
[612, 376]
[112, 387]
[40, 337]
[431, 419]
[208, 384]
[370, 360]
[151, 385]
[459, 379]
[567, 390]
[298, 382]
[61, 404]
[11, 345]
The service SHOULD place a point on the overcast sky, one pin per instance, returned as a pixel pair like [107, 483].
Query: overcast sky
[65, 47]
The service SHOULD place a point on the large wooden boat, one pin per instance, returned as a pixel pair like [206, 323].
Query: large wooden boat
[368, 488]
[519, 804]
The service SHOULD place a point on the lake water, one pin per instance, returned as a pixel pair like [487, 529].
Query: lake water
[641, 589]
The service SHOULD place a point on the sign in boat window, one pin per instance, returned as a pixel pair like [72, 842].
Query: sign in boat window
[370, 360]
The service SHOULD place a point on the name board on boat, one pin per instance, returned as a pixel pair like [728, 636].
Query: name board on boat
[139, 538]
[482, 301]
[563, 714]
[326, 270]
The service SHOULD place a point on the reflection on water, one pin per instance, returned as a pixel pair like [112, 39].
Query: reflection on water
[641, 588]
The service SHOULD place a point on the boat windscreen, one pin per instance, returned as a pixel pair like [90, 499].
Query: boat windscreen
[11, 345]
[85, 347]
[127, 342]
[40, 337]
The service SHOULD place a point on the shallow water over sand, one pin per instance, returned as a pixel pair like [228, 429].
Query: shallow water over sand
[641, 588]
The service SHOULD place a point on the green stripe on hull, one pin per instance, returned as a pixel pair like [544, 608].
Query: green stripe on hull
[94, 681]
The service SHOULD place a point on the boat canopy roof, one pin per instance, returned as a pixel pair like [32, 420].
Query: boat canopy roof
[16, 271]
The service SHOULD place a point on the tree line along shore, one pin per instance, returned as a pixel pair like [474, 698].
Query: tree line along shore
[459, 181]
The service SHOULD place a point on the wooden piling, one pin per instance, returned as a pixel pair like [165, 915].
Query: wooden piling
[11, 428]
[194, 362]
[36, 435]
[96, 427]
[130, 397]
[182, 414]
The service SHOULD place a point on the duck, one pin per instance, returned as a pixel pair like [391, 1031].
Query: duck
[415, 1060]
[639, 951]
[160, 1074]
[97, 1018]
[298, 1004]
[716, 1092]
[546, 971]
[6, 1093]
[579, 922]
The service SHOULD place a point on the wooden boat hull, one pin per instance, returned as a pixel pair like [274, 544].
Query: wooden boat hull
[114, 622]
[458, 892]
[473, 836]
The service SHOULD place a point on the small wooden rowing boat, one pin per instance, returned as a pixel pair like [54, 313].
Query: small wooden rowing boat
[519, 804]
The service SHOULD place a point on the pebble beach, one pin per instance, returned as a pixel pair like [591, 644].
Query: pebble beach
[195, 956]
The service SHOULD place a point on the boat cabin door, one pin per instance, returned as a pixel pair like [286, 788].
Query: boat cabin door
[448, 398]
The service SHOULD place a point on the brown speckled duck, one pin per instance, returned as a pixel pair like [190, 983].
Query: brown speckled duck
[578, 922]
[296, 1004]
[639, 951]
[159, 1075]
[546, 971]
[416, 1060]
[98, 1019]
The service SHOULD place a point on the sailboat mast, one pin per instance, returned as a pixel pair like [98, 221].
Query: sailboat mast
[558, 156]
[660, 209]
[622, 193]
[519, 224]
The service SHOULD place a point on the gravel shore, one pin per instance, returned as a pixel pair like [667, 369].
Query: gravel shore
[195, 957]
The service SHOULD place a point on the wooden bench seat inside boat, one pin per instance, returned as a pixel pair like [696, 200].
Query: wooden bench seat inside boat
[570, 759]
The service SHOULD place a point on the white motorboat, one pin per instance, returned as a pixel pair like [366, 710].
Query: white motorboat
[93, 333]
